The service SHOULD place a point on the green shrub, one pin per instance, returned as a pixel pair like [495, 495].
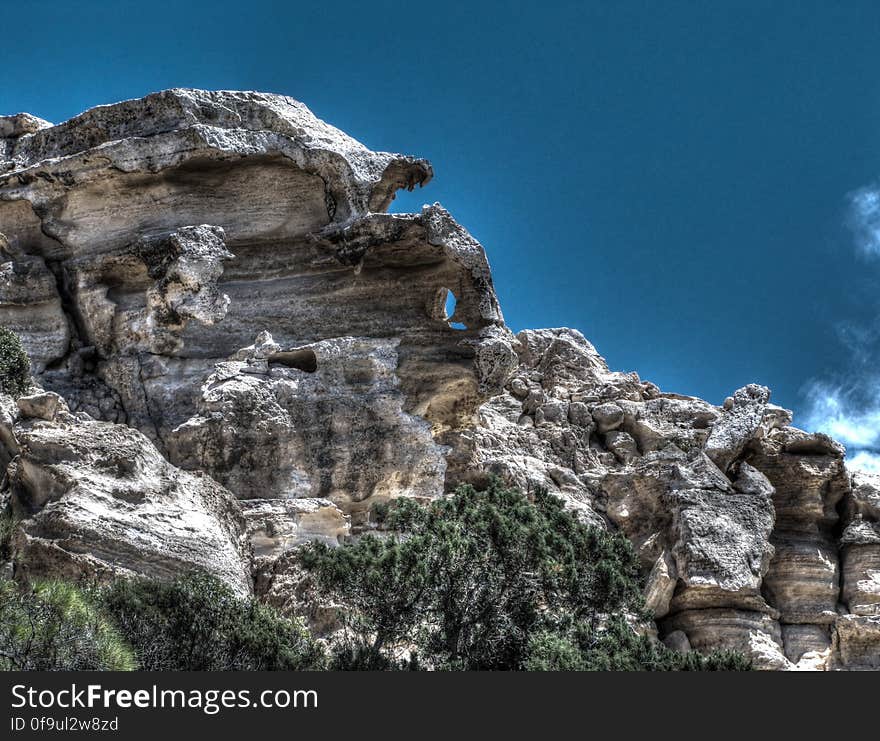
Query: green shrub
[616, 647]
[52, 625]
[197, 623]
[488, 580]
[15, 366]
[7, 527]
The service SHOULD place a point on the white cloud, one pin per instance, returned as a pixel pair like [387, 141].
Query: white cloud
[864, 219]
[850, 412]
[864, 460]
[850, 417]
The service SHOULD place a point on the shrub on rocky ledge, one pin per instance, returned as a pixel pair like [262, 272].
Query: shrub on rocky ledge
[617, 647]
[196, 623]
[7, 528]
[15, 366]
[491, 580]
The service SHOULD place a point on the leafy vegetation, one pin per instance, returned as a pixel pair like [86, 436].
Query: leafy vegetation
[53, 625]
[7, 528]
[618, 648]
[15, 366]
[197, 623]
[490, 580]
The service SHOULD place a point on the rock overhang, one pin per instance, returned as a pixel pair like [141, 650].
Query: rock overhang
[275, 221]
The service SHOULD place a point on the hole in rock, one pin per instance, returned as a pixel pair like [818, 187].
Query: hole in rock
[449, 310]
[451, 301]
[304, 359]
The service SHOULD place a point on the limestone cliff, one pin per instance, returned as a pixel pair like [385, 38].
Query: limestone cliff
[241, 350]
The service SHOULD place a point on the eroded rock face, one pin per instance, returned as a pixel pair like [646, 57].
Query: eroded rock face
[856, 640]
[97, 500]
[750, 532]
[860, 546]
[737, 425]
[810, 480]
[321, 420]
[241, 351]
[30, 305]
[275, 526]
[150, 240]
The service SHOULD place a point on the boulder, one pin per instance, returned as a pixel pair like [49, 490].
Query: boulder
[96, 500]
[41, 405]
[737, 425]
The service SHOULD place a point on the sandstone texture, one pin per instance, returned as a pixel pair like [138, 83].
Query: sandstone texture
[96, 499]
[236, 350]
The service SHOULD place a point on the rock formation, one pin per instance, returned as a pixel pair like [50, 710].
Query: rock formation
[97, 499]
[238, 350]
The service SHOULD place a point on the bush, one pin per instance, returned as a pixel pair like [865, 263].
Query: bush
[487, 580]
[15, 366]
[616, 647]
[52, 625]
[7, 528]
[197, 623]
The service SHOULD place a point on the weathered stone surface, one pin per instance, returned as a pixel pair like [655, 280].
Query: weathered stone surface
[722, 548]
[863, 501]
[321, 420]
[861, 575]
[12, 127]
[809, 478]
[737, 425]
[622, 452]
[180, 226]
[806, 640]
[97, 499]
[10, 414]
[858, 641]
[31, 307]
[540, 430]
[719, 537]
[608, 416]
[754, 633]
[171, 128]
[860, 545]
[41, 405]
[274, 526]
[744, 554]
[283, 583]
[677, 640]
[661, 585]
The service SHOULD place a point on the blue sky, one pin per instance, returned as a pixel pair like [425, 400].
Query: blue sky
[693, 185]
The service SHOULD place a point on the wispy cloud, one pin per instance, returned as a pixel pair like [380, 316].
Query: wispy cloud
[864, 219]
[864, 461]
[850, 415]
[849, 411]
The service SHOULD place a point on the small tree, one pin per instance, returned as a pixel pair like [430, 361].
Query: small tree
[197, 623]
[52, 626]
[15, 366]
